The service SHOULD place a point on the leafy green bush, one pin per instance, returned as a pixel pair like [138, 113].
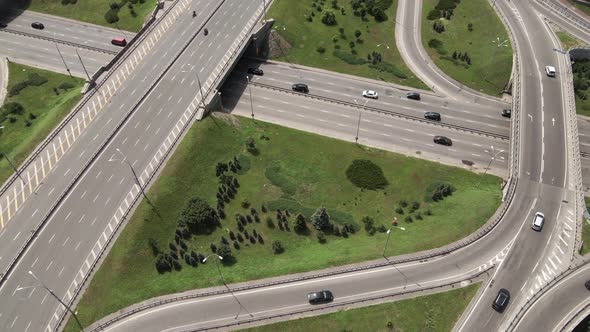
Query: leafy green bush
[437, 45]
[366, 174]
[390, 68]
[329, 18]
[65, 86]
[349, 58]
[433, 14]
[112, 16]
[438, 190]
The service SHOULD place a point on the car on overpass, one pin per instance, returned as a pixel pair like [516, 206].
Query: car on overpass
[324, 296]
[413, 95]
[300, 87]
[255, 71]
[435, 116]
[37, 25]
[370, 94]
[501, 300]
[538, 221]
[442, 140]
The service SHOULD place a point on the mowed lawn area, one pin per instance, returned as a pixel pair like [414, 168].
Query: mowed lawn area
[289, 170]
[306, 39]
[131, 18]
[568, 41]
[585, 232]
[42, 110]
[436, 312]
[487, 45]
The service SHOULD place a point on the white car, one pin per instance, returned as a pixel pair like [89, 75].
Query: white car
[370, 94]
[538, 221]
[550, 71]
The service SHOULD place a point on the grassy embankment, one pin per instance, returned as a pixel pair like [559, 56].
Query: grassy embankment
[43, 109]
[292, 170]
[473, 29]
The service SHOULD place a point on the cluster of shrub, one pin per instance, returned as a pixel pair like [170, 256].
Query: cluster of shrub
[438, 26]
[68, 2]
[438, 191]
[581, 73]
[443, 9]
[370, 227]
[411, 209]
[33, 79]
[112, 15]
[228, 185]
[365, 174]
[462, 56]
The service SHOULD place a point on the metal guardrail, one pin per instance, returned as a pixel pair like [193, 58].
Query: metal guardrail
[381, 110]
[119, 59]
[187, 124]
[55, 40]
[238, 289]
[340, 304]
[571, 16]
[544, 289]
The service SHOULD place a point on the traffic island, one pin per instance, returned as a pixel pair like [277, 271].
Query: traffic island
[273, 201]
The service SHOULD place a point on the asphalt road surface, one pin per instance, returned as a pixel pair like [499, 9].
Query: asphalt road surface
[78, 229]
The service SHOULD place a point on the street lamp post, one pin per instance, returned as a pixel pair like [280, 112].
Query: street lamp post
[226, 286]
[12, 165]
[135, 177]
[358, 126]
[198, 82]
[250, 90]
[61, 56]
[492, 159]
[56, 297]
[389, 231]
[83, 67]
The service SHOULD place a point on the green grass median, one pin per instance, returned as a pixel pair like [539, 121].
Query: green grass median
[36, 102]
[436, 312]
[355, 43]
[130, 14]
[294, 172]
[469, 43]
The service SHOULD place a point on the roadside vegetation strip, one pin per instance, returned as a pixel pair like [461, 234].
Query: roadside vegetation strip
[585, 8]
[468, 42]
[568, 41]
[128, 274]
[119, 14]
[581, 79]
[341, 35]
[436, 312]
[36, 102]
[585, 248]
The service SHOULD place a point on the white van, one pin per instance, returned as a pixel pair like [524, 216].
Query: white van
[538, 221]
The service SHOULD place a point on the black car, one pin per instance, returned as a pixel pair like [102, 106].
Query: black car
[413, 95]
[38, 25]
[442, 140]
[255, 71]
[432, 116]
[507, 112]
[324, 296]
[300, 87]
[587, 284]
[501, 300]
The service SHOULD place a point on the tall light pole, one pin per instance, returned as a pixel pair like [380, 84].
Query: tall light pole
[358, 126]
[55, 296]
[492, 159]
[226, 286]
[12, 165]
[61, 56]
[250, 90]
[389, 231]
[198, 82]
[135, 177]
[83, 67]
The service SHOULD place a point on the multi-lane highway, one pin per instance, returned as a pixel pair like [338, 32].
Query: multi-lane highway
[524, 260]
[54, 48]
[144, 117]
[78, 230]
